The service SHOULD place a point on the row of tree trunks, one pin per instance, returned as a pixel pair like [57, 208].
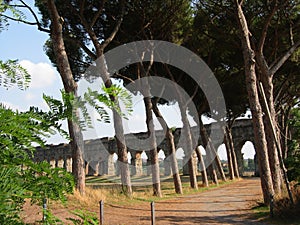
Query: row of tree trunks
[234, 165]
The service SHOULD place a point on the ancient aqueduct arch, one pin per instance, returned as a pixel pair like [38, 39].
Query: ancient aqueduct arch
[99, 152]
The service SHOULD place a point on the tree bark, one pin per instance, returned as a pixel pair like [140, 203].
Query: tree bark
[229, 156]
[119, 132]
[219, 165]
[172, 149]
[283, 169]
[211, 167]
[271, 142]
[118, 125]
[152, 141]
[258, 125]
[203, 171]
[232, 151]
[188, 141]
[77, 144]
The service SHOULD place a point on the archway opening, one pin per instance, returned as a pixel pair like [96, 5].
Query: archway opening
[222, 152]
[161, 155]
[248, 152]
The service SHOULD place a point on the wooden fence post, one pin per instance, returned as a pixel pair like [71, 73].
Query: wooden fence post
[152, 213]
[101, 221]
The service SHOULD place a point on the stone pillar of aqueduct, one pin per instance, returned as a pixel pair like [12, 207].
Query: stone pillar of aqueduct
[100, 160]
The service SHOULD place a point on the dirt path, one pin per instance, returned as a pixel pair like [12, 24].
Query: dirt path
[230, 204]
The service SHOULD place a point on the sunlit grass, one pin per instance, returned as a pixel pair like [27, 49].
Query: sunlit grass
[142, 188]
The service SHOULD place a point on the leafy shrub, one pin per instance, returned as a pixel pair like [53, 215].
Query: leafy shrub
[20, 177]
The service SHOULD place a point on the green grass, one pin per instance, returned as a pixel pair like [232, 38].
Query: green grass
[262, 212]
[143, 191]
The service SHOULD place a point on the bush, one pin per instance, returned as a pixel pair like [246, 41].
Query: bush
[20, 177]
[284, 209]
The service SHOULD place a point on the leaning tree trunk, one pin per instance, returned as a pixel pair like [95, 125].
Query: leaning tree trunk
[77, 144]
[118, 127]
[232, 151]
[258, 125]
[152, 141]
[203, 171]
[219, 165]
[122, 154]
[188, 141]
[172, 149]
[271, 143]
[212, 151]
[266, 80]
[229, 157]
[211, 167]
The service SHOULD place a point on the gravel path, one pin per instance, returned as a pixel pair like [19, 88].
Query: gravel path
[230, 204]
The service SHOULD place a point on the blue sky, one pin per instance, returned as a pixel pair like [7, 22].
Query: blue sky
[25, 43]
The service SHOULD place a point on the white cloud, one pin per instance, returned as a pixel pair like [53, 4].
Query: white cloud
[42, 74]
[29, 96]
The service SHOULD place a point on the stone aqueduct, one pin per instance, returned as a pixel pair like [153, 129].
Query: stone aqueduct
[99, 153]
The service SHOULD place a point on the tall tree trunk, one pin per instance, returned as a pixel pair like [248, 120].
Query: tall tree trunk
[258, 125]
[211, 167]
[219, 164]
[122, 154]
[77, 144]
[277, 145]
[229, 156]
[266, 79]
[232, 151]
[186, 133]
[172, 149]
[119, 131]
[152, 141]
[118, 125]
[203, 171]
[188, 141]
[213, 151]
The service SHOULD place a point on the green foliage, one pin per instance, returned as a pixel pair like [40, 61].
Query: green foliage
[293, 160]
[86, 218]
[67, 108]
[110, 94]
[11, 191]
[21, 178]
[11, 73]
[46, 182]
[50, 219]
[11, 11]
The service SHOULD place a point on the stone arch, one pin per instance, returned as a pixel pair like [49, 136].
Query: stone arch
[60, 162]
[248, 152]
[52, 162]
[136, 162]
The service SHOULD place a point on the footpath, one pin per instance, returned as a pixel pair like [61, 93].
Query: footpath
[230, 204]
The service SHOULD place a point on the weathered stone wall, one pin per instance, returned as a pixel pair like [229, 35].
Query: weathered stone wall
[99, 152]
